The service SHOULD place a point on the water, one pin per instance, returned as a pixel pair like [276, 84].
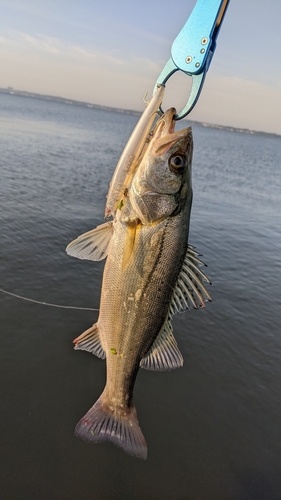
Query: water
[212, 428]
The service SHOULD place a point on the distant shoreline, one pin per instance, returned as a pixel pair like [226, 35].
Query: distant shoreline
[63, 100]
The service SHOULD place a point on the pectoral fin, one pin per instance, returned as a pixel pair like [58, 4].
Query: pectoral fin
[92, 245]
[90, 341]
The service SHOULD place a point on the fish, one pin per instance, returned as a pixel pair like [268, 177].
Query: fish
[151, 273]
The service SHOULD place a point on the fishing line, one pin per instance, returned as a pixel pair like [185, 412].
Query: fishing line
[46, 303]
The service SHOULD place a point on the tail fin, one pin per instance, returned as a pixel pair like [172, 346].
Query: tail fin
[101, 424]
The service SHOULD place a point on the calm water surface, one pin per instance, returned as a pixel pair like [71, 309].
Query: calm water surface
[213, 428]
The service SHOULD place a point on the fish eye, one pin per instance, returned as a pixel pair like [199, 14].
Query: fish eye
[177, 163]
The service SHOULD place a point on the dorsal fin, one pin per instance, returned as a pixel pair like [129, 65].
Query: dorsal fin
[92, 245]
[190, 290]
[164, 353]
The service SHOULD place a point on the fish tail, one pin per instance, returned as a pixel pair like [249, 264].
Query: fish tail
[102, 424]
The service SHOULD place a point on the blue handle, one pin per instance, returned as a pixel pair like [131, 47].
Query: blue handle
[193, 48]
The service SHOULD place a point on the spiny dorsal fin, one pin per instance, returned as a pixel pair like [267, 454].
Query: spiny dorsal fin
[92, 245]
[90, 341]
[190, 290]
[164, 353]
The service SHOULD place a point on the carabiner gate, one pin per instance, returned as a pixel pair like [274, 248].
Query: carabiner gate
[194, 47]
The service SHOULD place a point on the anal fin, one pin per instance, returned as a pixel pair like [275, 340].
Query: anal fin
[90, 341]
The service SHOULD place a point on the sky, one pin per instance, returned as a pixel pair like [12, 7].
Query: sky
[110, 52]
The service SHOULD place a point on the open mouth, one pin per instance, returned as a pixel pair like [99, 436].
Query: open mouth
[164, 135]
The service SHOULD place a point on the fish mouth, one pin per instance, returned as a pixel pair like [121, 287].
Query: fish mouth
[164, 135]
[166, 124]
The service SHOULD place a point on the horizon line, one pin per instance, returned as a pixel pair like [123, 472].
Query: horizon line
[65, 100]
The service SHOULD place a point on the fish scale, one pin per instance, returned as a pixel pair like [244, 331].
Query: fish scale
[142, 319]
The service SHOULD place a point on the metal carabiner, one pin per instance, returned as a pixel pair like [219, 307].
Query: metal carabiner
[194, 47]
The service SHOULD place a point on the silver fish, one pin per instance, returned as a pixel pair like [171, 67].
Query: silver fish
[151, 273]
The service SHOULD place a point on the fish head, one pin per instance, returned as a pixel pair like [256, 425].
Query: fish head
[167, 161]
[162, 183]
